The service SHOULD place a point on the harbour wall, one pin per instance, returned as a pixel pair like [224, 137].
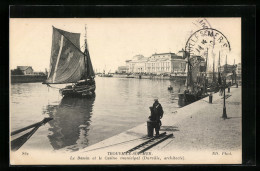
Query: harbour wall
[151, 77]
[28, 78]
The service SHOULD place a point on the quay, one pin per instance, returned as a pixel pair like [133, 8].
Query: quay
[200, 134]
[157, 77]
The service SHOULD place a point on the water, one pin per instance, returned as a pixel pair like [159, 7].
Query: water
[119, 104]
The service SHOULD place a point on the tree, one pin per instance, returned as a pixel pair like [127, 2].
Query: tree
[17, 71]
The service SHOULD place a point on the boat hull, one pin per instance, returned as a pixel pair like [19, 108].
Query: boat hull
[79, 91]
[185, 98]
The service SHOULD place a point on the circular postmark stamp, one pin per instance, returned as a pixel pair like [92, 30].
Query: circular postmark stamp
[203, 40]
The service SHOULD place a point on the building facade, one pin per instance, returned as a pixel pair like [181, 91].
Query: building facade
[122, 69]
[162, 63]
[239, 72]
[27, 70]
[228, 68]
[239, 69]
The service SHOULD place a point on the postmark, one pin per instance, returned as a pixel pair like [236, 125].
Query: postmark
[208, 39]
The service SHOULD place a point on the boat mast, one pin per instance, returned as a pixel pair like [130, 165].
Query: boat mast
[85, 44]
[219, 77]
[188, 72]
[191, 81]
[206, 63]
[205, 77]
[213, 79]
[226, 67]
[85, 52]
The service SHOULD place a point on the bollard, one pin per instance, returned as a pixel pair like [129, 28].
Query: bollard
[236, 85]
[210, 98]
[228, 89]
[181, 101]
[150, 129]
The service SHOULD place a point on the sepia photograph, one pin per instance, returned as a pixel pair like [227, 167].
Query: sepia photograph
[116, 91]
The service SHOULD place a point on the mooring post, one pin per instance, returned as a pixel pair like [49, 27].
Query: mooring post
[210, 98]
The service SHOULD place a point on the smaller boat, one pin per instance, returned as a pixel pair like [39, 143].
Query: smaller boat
[130, 76]
[16, 143]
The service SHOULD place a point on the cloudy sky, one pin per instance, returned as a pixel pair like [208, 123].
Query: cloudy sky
[112, 41]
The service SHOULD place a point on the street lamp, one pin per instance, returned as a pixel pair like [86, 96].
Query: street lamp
[224, 115]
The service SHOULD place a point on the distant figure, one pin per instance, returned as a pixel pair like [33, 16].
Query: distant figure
[157, 114]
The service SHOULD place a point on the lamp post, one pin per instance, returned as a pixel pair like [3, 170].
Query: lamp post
[224, 115]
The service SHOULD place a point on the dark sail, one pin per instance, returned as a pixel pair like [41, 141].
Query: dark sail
[89, 71]
[67, 61]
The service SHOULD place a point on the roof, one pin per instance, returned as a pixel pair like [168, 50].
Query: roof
[123, 67]
[177, 57]
[164, 54]
[23, 68]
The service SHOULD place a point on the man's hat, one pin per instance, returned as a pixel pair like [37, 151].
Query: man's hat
[156, 99]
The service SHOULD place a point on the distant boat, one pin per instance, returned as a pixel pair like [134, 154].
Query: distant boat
[68, 64]
[106, 75]
[130, 76]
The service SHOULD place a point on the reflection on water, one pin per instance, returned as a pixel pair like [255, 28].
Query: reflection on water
[70, 124]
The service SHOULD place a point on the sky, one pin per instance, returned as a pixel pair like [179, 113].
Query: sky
[112, 41]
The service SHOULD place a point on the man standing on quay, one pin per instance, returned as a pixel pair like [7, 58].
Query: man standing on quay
[157, 114]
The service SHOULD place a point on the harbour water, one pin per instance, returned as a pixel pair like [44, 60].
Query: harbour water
[119, 104]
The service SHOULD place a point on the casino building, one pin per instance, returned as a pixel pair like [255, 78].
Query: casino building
[158, 63]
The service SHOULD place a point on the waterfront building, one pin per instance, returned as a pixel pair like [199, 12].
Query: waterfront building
[227, 68]
[198, 67]
[27, 70]
[161, 63]
[122, 69]
[238, 70]
[239, 73]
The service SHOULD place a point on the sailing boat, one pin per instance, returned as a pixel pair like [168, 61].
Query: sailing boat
[194, 80]
[69, 65]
